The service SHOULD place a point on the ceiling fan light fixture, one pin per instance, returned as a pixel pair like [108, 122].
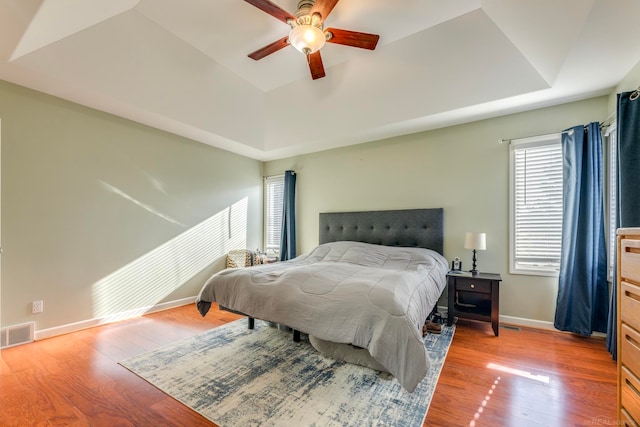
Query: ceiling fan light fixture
[307, 39]
[307, 33]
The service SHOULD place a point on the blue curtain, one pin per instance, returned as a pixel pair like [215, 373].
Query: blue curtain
[288, 239]
[628, 208]
[583, 291]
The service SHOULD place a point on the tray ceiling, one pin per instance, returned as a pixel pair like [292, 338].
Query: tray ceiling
[183, 66]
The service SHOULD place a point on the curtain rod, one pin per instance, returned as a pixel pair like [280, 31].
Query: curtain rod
[602, 123]
[502, 141]
[635, 95]
[607, 121]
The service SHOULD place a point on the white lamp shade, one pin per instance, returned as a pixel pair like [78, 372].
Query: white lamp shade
[474, 240]
[307, 38]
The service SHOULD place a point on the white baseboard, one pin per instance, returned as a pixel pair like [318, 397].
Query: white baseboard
[77, 326]
[85, 324]
[527, 323]
[516, 321]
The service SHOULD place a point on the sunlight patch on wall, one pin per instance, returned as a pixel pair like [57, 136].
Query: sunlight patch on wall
[144, 206]
[141, 284]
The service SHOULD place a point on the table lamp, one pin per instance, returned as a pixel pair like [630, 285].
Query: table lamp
[477, 242]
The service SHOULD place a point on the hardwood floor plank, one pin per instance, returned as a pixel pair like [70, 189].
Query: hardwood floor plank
[39, 392]
[547, 378]
[170, 411]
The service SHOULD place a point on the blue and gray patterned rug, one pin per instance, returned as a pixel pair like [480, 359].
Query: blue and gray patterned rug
[237, 377]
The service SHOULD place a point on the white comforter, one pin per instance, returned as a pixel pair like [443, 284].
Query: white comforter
[375, 297]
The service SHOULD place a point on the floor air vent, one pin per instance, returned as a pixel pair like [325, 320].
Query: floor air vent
[513, 328]
[16, 335]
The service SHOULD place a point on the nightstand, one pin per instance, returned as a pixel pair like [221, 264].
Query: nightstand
[475, 297]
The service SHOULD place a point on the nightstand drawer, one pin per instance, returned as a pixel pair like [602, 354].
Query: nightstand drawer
[471, 285]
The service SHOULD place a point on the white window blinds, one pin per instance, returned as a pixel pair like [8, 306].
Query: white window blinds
[536, 205]
[273, 200]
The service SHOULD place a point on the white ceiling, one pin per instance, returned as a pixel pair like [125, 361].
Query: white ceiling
[182, 65]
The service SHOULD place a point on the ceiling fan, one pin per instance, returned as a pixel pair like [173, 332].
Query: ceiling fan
[308, 34]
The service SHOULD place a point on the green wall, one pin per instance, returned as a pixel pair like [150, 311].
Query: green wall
[101, 215]
[630, 82]
[463, 169]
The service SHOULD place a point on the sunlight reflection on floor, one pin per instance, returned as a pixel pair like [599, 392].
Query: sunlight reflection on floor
[524, 374]
[518, 373]
[484, 403]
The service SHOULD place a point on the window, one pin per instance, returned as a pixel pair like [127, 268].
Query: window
[611, 136]
[536, 205]
[273, 200]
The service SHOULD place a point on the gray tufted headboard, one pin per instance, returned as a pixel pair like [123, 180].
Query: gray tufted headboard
[421, 228]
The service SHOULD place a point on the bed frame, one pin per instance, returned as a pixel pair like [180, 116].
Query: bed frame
[421, 228]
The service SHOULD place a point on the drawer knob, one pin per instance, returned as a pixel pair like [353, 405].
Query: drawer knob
[473, 286]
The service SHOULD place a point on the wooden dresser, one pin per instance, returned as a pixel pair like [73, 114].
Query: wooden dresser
[628, 283]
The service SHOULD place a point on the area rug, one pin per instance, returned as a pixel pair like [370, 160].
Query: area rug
[239, 377]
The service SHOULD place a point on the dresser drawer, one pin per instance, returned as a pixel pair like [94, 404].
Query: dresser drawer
[630, 304]
[630, 259]
[471, 285]
[630, 348]
[626, 420]
[630, 393]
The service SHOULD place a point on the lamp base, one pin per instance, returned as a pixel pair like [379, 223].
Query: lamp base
[474, 271]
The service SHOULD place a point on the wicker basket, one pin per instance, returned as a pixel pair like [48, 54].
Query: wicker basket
[239, 258]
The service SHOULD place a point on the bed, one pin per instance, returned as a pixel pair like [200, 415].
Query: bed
[371, 283]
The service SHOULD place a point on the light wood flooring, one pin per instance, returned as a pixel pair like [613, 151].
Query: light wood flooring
[522, 378]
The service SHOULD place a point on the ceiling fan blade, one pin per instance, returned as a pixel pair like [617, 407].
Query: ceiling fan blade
[315, 65]
[272, 9]
[270, 48]
[323, 7]
[352, 38]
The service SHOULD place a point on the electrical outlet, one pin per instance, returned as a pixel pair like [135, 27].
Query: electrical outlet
[37, 307]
